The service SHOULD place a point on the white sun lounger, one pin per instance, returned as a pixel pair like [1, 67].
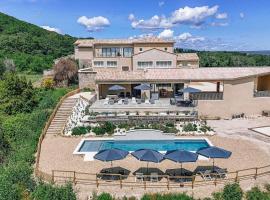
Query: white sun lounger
[206, 175]
[154, 177]
[139, 177]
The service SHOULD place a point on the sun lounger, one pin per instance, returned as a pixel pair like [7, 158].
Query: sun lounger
[147, 101]
[152, 101]
[139, 177]
[106, 102]
[206, 175]
[221, 173]
[154, 177]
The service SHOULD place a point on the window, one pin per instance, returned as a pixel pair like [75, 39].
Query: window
[110, 52]
[111, 63]
[98, 63]
[145, 64]
[164, 63]
[127, 51]
[140, 49]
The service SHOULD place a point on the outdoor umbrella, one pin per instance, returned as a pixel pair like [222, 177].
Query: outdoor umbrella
[116, 88]
[148, 155]
[143, 86]
[214, 152]
[190, 90]
[181, 156]
[109, 155]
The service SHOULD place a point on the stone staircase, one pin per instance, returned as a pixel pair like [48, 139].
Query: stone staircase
[61, 116]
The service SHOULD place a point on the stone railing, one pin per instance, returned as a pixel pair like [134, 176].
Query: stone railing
[207, 95]
[265, 93]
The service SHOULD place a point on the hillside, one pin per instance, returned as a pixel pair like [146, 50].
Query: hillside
[32, 48]
[229, 59]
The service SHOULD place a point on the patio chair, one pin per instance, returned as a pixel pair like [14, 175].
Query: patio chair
[172, 101]
[139, 101]
[147, 101]
[152, 101]
[120, 102]
[126, 101]
[206, 175]
[111, 101]
[154, 177]
[139, 177]
[133, 100]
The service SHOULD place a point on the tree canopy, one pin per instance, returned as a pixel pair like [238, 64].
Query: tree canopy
[32, 48]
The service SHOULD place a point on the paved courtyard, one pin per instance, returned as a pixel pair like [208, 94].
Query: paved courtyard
[250, 149]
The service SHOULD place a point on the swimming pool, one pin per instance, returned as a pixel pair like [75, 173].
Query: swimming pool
[133, 145]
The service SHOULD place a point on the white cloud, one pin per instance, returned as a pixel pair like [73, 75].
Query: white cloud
[219, 24]
[242, 15]
[222, 16]
[147, 35]
[161, 3]
[48, 28]
[195, 17]
[155, 22]
[167, 33]
[94, 23]
[188, 37]
[131, 17]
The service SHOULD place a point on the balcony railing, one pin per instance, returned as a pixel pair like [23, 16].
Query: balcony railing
[265, 93]
[207, 96]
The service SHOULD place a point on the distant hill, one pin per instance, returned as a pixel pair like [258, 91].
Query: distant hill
[265, 52]
[31, 47]
[230, 58]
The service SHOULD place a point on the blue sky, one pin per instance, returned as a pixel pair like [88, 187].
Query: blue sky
[197, 24]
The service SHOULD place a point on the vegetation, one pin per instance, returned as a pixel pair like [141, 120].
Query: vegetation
[66, 72]
[30, 48]
[228, 59]
[229, 192]
[190, 127]
[20, 128]
[48, 192]
[81, 130]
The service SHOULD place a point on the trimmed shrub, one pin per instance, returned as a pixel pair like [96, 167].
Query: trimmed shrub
[48, 83]
[256, 194]
[190, 127]
[99, 130]
[104, 196]
[81, 130]
[232, 192]
[171, 196]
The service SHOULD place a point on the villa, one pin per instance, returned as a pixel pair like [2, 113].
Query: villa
[224, 92]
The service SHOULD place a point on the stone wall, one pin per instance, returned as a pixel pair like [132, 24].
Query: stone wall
[87, 79]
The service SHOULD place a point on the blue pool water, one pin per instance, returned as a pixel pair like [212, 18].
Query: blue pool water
[133, 145]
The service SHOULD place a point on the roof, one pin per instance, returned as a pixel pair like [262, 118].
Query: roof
[91, 42]
[187, 56]
[153, 49]
[182, 74]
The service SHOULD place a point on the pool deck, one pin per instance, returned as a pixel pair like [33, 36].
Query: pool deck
[161, 105]
[250, 149]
